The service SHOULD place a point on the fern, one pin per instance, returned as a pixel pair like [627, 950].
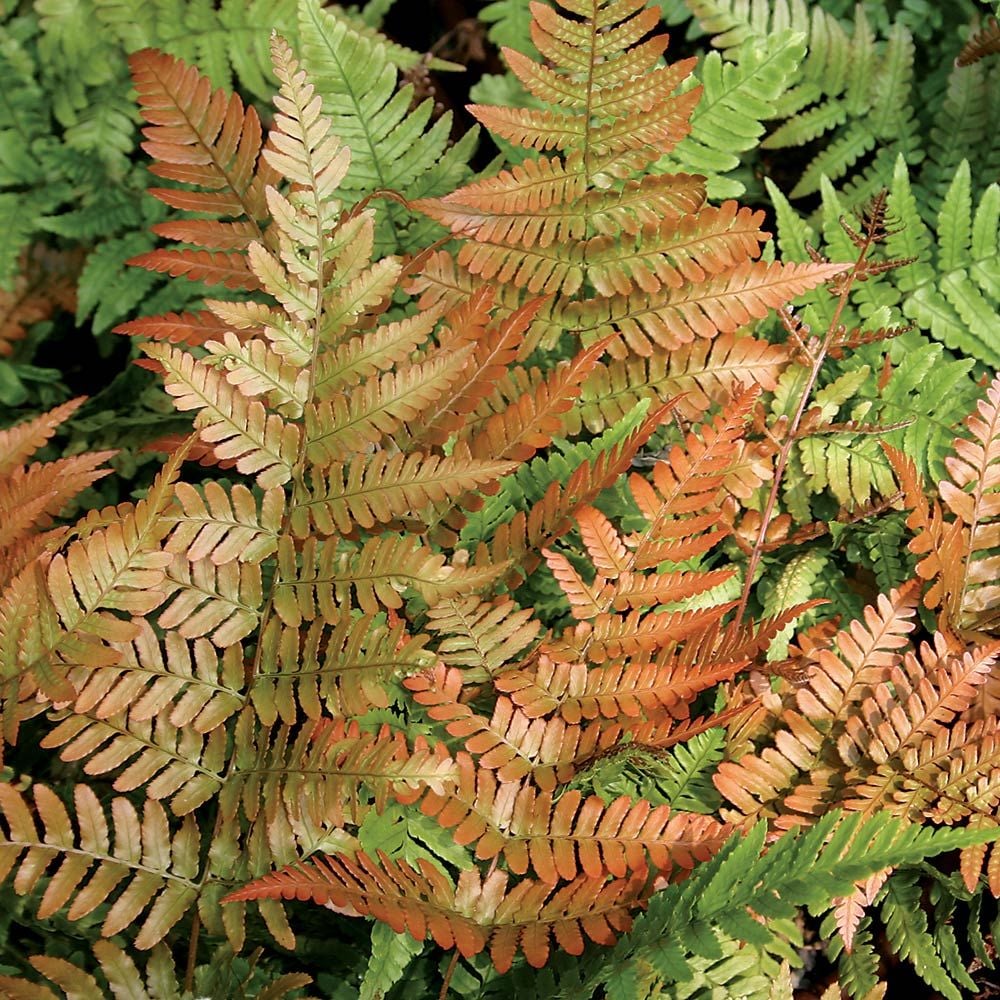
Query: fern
[258, 607]
[795, 585]
[846, 85]
[123, 977]
[687, 782]
[32, 495]
[921, 392]
[855, 90]
[67, 62]
[955, 299]
[363, 668]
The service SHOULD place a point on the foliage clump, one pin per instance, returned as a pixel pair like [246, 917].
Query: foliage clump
[551, 587]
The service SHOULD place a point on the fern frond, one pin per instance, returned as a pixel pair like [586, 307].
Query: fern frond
[324, 577]
[357, 358]
[44, 284]
[801, 868]
[482, 637]
[532, 419]
[690, 479]
[146, 873]
[496, 347]
[472, 916]
[159, 980]
[338, 428]
[32, 496]
[118, 568]
[164, 760]
[687, 782]
[379, 489]
[572, 224]
[203, 138]
[792, 780]
[737, 97]
[695, 375]
[338, 669]
[510, 742]
[339, 757]
[63, 614]
[971, 498]
[721, 304]
[928, 694]
[19, 443]
[185, 682]
[224, 526]
[617, 691]
[257, 372]
[561, 839]
[204, 598]
[956, 299]
[235, 428]
[983, 43]
[394, 146]
[193, 329]
[906, 929]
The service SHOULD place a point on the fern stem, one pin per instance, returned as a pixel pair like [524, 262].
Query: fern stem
[791, 433]
[192, 955]
[443, 995]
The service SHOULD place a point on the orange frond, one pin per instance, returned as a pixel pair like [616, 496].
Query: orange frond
[204, 138]
[572, 835]
[473, 916]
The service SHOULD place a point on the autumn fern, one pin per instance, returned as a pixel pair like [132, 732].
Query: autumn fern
[624, 251]
[220, 652]
[404, 643]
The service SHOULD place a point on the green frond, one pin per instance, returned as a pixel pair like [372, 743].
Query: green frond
[852, 89]
[882, 548]
[510, 25]
[393, 148]
[956, 298]
[18, 222]
[963, 128]
[858, 968]
[850, 466]
[683, 922]
[108, 287]
[932, 392]
[906, 929]
[737, 98]
[687, 779]
[732, 22]
[529, 483]
[390, 958]
[795, 585]
[229, 41]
